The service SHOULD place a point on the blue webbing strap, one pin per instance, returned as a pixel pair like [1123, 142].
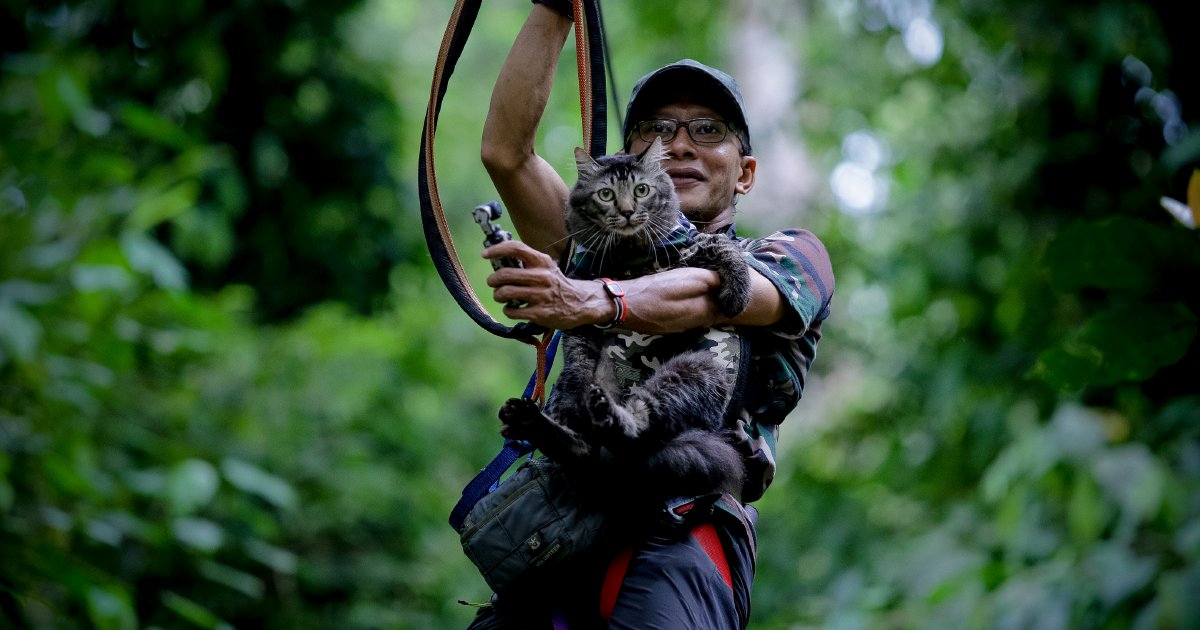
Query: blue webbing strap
[489, 478]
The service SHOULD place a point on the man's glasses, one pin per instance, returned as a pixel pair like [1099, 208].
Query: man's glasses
[702, 130]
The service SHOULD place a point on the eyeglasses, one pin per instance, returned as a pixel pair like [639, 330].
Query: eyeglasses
[702, 130]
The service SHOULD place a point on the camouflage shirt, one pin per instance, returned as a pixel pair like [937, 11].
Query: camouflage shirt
[796, 262]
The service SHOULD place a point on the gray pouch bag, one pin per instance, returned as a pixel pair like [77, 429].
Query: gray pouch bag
[532, 521]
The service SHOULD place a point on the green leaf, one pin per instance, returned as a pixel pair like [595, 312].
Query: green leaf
[20, 333]
[191, 485]
[1125, 343]
[110, 167]
[113, 278]
[250, 478]
[1133, 478]
[153, 126]
[240, 581]
[109, 608]
[148, 256]
[1176, 605]
[1116, 572]
[198, 533]
[1115, 254]
[278, 559]
[193, 612]
[159, 206]
[86, 118]
[1086, 516]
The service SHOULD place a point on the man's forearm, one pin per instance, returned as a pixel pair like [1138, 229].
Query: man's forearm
[682, 299]
[671, 301]
[533, 193]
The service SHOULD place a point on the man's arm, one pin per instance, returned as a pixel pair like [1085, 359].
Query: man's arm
[672, 301]
[531, 190]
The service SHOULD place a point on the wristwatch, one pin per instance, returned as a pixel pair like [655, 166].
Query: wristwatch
[617, 294]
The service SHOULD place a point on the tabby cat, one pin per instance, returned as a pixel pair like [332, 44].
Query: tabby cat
[665, 432]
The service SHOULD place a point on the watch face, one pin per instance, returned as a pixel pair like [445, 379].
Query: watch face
[613, 288]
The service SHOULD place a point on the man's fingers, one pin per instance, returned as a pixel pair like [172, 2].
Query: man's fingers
[516, 249]
[515, 276]
[514, 312]
[508, 292]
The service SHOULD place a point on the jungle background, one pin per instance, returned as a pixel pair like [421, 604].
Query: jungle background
[234, 393]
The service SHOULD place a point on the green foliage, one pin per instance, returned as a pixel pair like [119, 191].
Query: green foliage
[293, 193]
[1019, 328]
[233, 392]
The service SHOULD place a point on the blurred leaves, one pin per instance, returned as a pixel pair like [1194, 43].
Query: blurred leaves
[1127, 343]
[1040, 460]
[233, 392]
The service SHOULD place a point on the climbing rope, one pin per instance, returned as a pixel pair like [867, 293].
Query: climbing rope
[589, 49]
[590, 58]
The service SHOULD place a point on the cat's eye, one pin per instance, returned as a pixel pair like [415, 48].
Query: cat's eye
[605, 194]
[641, 190]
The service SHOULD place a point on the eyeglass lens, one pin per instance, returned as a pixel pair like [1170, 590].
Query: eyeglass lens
[703, 130]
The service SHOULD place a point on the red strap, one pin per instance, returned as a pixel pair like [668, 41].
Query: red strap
[705, 534]
[585, 78]
[539, 390]
[612, 582]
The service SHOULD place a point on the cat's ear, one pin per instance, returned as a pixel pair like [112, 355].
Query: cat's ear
[653, 154]
[585, 162]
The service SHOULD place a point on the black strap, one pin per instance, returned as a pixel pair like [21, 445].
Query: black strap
[437, 231]
[599, 104]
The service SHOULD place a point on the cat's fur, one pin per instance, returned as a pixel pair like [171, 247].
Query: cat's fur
[668, 434]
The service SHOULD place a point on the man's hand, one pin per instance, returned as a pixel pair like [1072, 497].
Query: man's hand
[550, 298]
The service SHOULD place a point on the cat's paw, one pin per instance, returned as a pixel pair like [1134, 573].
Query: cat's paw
[731, 301]
[733, 296]
[517, 415]
[600, 407]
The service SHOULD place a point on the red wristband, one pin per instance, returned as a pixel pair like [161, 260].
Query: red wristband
[615, 292]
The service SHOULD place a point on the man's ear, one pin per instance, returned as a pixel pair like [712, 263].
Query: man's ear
[745, 179]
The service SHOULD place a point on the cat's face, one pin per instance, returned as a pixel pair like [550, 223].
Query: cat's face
[626, 196]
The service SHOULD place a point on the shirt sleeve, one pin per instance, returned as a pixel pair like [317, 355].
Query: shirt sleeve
[796, 262]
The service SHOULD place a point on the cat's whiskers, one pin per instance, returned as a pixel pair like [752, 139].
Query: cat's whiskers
[586, 238]
[653, 237]
[661, 230]
[570, 235]
[594, 240]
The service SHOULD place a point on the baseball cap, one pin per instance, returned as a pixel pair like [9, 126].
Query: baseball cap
[720, 91]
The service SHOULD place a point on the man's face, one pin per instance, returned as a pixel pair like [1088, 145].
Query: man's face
[706, 176]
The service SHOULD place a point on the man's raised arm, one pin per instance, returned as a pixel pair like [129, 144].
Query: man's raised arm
[531, 190]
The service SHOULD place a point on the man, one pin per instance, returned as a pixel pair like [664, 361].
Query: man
[671, 580]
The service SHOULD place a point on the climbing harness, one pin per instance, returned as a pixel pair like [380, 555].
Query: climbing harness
[705, 535]
[695, 514]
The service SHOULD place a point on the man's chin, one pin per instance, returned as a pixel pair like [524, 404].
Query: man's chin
[696, 211]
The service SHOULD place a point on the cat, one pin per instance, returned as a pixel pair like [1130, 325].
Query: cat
[664, 432]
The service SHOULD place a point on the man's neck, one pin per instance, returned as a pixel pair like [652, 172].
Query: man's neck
[719, 222]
